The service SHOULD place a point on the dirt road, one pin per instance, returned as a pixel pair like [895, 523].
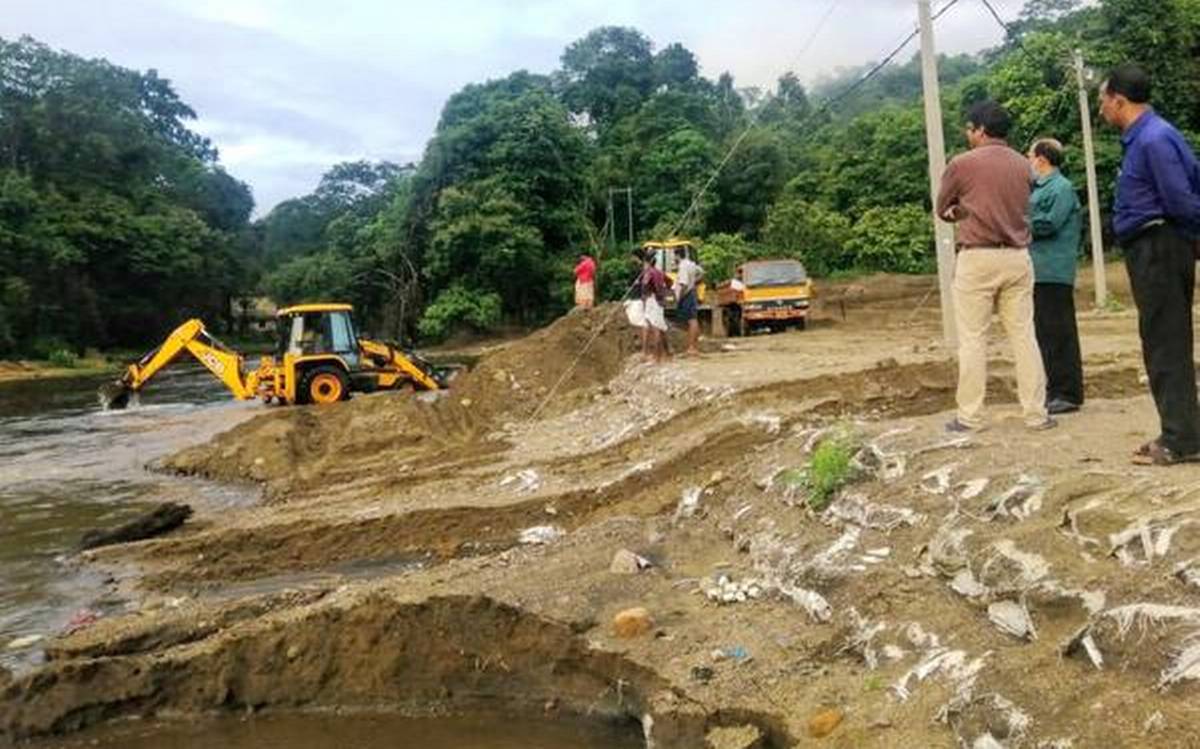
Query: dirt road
[1011, 589]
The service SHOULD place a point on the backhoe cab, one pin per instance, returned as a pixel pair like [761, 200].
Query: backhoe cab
[319, 359]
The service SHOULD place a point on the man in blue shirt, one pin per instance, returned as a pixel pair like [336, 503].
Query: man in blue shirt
[1157, 221]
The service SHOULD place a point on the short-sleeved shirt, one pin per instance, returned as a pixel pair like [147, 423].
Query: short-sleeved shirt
[653, 283]
[688, 275]
[585, 271]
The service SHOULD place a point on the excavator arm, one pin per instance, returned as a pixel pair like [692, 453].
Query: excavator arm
[420, 372]
[191, 337]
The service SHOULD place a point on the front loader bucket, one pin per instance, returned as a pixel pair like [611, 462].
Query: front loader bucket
[114, 395]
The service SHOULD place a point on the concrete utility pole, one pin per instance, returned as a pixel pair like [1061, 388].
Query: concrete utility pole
[1089, 152]
[612, 226]
[936, 140]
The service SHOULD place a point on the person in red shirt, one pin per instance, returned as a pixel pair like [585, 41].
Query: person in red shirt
[585, 282]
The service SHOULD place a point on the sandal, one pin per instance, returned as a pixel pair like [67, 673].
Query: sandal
[1145, 449]
[1158, 454]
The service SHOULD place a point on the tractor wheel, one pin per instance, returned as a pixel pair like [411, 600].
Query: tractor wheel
[324, 385]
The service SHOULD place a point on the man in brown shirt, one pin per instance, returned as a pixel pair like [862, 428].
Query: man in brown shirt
[986, 192]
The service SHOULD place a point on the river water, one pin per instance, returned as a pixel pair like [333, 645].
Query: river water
[67, 466]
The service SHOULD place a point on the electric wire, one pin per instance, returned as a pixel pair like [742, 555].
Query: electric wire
[827, 105]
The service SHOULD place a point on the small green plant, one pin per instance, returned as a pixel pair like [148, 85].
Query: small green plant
[63, 358]
[1112, 304]
[831, 468]
[873, 683]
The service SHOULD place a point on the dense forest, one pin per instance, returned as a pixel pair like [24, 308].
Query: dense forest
[117, 220]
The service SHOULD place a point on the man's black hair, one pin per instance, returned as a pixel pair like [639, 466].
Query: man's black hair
[1131, 81]
[1050, 151]
[681, 251]
[638, 253]
[993, 118]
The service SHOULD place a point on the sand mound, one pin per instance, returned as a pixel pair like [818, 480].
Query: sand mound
[579, 351]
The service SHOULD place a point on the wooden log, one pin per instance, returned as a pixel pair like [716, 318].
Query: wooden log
[162, 519]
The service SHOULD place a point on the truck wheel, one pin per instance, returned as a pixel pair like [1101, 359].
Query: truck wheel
[324, 385]
[802, 323]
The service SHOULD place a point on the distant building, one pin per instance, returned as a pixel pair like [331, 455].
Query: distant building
[254, 315]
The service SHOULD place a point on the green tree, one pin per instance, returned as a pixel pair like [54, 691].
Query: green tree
[811, 233]
[609, 73]
[720, 254]
[117, 219]
[895, 239]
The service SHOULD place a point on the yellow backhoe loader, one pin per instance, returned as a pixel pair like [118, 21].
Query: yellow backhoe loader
[319, 359]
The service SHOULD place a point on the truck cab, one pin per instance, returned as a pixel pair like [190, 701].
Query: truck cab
[774, 294]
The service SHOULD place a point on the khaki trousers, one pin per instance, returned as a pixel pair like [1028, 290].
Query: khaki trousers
[987, 281]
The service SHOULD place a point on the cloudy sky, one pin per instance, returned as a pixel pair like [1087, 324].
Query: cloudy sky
[285, 88]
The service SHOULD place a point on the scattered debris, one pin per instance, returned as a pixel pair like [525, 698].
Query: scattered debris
[1156, 723]
[1184, 665]
[953, 663]
[1020, 502]
[527, 480]
[1009, 570]
[1145, 541]
[1083, 641]
[723, 590]
[1012, 618]
[1002, 723]
[965, 584]
[857, 510]
[946, 554]
[938, 481]
[540, 535]
[969, 490]
[811, 601]
[689, 504]
[1188, 573]
[885, 466]
[957, 443]
[769, 422]
[861, 641]
[625, 562]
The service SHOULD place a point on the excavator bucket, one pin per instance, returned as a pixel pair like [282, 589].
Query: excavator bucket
[114, 395]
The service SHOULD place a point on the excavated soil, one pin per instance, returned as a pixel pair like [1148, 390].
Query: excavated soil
[1008, 589]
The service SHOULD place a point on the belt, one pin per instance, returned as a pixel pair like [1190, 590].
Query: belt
[965, 247]
[1145, 228]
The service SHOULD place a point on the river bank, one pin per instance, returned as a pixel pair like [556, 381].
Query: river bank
[24, 370]
[492, 547]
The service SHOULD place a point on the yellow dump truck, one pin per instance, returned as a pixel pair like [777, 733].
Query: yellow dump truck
[774, 294]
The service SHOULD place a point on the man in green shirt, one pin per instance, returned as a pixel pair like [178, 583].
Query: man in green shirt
[1055, 217]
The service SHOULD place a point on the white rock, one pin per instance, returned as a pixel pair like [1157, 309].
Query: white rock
[23, 642]
[540, 535]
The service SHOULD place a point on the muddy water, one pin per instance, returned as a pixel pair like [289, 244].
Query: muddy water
[361, 732]
[66, 467]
